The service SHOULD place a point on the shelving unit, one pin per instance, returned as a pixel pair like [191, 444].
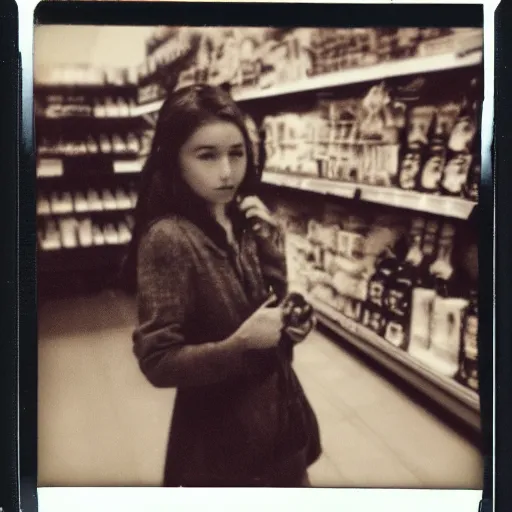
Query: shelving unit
[389, 196]
[459, 400]
[404, 67]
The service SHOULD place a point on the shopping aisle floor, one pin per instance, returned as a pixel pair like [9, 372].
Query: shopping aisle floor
[101, 423]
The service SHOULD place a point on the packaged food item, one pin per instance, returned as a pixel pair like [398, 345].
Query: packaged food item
[123, 109]
[132, 143]
[50, 239]
[68, 233]
[98, 237]
[94, 202]
[80, 203]
[472, 187]
[92, 145]
[99, 109]
[85, 236]
[118, 144]
[124, 233]
[111, 235]
[109, 202]
[446, 324]
[43, 205]
[455, 174]
[105, 143]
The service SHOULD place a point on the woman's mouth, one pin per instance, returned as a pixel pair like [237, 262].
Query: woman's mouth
[226, 187]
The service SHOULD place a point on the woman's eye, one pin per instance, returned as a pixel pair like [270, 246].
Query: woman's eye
[206, 156]
[237, 154]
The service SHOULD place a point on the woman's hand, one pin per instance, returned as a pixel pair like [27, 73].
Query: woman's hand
[253, 208]
[299, 333]
[263, 329]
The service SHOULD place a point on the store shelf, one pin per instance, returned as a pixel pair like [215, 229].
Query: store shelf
[73, 213]
[428, 203]
[411, 66]
[404, 67]
[459, 400]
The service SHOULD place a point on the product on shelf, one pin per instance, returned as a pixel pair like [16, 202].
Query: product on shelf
[99, 109]
[94, 202]
[109, 201]
[122, 200]
[133, 143]
[97, 235]
[92, 145]
[50, 237]
[80, 202]
[111, 235]
[111, 107]
[105, 144]
[85, 236]
[469, 346]
[124, 233]
[118, 145]
[123, 109]
[68, 232]
[43, 205]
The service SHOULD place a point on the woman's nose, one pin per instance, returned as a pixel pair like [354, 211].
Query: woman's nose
[225, 168]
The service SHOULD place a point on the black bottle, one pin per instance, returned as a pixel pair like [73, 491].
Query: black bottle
[435, 159]
[373, 315]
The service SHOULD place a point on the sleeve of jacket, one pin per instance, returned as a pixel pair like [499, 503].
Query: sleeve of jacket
[271, 253]
[166, 303]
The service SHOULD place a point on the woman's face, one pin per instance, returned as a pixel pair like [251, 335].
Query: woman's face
[213, 161]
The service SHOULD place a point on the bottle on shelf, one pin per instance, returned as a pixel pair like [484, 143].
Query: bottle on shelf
[414, 142]
[373, 315]
[446, 327]
[435, 159]
[423, 295]
[397, 297]
[469, 345]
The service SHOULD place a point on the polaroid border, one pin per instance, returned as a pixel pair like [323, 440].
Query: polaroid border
[194, 14]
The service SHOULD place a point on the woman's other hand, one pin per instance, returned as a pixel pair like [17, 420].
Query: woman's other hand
[263, 329]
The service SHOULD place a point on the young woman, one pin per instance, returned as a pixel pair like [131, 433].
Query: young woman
[209, 266]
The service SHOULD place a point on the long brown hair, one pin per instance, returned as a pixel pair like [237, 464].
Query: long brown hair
[162, 190]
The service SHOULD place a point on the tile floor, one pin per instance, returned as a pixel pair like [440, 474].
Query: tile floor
[102, 424]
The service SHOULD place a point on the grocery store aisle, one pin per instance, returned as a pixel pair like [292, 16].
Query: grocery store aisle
[101, 423]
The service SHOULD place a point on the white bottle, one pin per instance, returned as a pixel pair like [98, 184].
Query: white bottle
[447, 315]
